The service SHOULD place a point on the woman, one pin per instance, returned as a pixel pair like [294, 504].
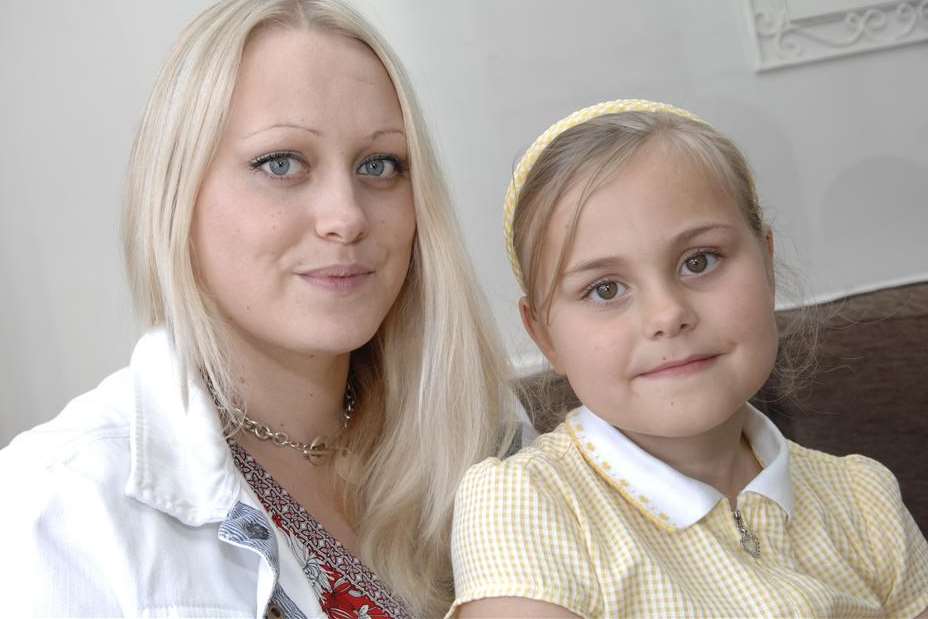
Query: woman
[290, 245]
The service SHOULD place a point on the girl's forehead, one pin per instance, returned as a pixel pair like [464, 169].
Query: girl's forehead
[654, 195]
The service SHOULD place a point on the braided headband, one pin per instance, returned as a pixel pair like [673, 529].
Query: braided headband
[538, 146]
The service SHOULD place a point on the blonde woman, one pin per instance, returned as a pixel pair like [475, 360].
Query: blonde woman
[285, 440]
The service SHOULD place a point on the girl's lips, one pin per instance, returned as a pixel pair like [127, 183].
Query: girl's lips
[683, 367]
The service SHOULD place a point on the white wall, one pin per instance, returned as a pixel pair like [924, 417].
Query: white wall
[839, 147]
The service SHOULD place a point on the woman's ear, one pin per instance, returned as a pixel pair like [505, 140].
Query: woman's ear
[538, 331]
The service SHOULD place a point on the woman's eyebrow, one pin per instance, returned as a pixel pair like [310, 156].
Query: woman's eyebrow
[319, 133]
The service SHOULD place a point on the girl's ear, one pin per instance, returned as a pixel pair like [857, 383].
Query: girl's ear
[768, 238]
[539, 333]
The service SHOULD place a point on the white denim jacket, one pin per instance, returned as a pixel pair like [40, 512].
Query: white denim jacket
[128, 505]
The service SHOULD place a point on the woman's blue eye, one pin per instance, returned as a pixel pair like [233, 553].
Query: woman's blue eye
[278, 165]
[699, 264]
[605, 291]
[380, 167]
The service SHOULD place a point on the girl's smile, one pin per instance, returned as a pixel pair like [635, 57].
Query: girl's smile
[682, 367]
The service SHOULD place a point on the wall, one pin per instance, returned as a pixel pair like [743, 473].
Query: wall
[838, 148]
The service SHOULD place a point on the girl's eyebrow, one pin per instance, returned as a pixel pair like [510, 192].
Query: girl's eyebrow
[594, 265]
[613, 261]
[690, 233]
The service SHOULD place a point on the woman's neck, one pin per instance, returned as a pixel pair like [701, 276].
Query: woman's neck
[301, 394]
[721, 457]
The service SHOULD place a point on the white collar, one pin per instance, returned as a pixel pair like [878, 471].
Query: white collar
[667, 496]
[180, 462]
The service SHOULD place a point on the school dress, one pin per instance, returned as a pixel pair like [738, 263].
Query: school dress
[587, 520]
[126, 504]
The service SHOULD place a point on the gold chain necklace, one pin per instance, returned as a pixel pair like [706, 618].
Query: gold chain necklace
[315, 451]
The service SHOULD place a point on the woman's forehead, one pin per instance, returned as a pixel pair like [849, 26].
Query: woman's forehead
[311, 78]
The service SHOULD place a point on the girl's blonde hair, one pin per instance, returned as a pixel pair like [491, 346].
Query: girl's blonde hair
[431, 383]
[591, 153]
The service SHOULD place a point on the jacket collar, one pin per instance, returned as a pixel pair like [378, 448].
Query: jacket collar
[666, 496]
[180, 462]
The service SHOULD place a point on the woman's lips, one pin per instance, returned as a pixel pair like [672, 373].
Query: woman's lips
[683, 367]
[338, 277]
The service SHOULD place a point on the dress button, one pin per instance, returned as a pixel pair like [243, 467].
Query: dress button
[256, 531]
[273, 612]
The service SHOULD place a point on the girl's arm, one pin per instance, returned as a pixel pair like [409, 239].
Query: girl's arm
[516, 608]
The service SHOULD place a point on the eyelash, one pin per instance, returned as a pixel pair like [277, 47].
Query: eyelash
[255, 164]
[588, 291]
[703, 252]
[398, 164]
[587, 294]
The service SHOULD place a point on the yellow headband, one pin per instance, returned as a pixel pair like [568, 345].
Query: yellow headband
[531, 156]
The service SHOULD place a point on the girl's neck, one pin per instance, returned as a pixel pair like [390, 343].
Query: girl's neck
[301, 394]
[721, 457]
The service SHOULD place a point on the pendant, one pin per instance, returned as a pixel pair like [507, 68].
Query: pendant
[750, 544]
[317, 451]
[749, 541]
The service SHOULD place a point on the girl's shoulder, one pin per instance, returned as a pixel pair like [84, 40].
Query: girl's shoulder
[853, 492]
[810, 467]
[549, 458]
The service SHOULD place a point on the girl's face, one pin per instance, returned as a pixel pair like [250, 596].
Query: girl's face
[663, 322]
[304, 225]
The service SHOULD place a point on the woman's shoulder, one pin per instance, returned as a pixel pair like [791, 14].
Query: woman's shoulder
[86, 436]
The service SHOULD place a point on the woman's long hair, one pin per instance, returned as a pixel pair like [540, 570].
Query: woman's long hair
[432, 383]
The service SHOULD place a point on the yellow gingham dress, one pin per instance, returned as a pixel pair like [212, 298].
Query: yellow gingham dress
[583, 521]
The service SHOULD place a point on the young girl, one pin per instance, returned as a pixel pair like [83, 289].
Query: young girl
[635, 232]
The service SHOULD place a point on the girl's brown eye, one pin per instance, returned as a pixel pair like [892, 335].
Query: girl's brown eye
[697, 264]
[606, 290]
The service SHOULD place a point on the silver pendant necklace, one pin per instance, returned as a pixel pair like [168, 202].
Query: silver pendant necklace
[749, 541]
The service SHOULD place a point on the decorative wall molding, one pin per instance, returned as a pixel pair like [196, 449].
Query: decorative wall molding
[791, 32]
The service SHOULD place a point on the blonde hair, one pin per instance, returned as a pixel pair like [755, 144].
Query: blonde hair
[591, 152]
[431, 383]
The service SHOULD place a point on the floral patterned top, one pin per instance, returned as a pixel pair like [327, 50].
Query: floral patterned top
[346, 588]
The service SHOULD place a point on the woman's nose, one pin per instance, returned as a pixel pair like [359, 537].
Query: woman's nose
[339, 215]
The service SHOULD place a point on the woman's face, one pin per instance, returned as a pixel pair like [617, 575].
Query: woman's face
[304, 224]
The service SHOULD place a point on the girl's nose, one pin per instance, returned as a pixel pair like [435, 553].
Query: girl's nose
[668, 313]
